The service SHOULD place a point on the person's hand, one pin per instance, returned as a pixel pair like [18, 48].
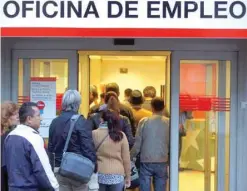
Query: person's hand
[127, 182]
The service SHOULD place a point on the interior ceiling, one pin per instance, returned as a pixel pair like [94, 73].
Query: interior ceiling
[135, 58]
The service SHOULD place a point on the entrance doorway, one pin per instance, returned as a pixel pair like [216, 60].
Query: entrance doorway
[210, 141]
[133, 69]
[203, 82]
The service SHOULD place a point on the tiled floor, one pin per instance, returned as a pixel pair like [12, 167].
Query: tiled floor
[193, 181]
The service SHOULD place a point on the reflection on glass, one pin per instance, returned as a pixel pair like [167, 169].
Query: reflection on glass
[28, 68]
[201, 84]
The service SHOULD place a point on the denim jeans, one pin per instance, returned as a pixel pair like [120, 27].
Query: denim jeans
[157, 171]
[112, 187]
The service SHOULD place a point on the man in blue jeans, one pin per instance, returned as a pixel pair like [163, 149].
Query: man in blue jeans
[152, 142]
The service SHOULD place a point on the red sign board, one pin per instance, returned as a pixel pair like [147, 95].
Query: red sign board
[41, 105]
[204, 103]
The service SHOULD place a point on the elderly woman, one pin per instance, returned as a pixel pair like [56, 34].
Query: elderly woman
[81, 141]
[9, 120]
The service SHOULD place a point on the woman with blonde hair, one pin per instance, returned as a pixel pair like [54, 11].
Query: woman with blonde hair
[9, 120]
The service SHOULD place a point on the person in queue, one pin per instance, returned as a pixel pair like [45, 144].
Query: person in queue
[113, 155]
[102, 99]
[124, 110]
[112, 102]
[81, 141]
[136, 101]
[127, 94]
[9, 120]
[25, 158]
[152, 142]
[149, 93]
[93, 96]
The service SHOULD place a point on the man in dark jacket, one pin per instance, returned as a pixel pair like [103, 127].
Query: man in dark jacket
[25, 157]
[124, 110]
[81, 141]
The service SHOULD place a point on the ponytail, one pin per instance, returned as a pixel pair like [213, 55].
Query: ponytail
[113, 122]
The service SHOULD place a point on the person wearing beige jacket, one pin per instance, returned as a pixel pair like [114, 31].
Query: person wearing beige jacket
[113, 157]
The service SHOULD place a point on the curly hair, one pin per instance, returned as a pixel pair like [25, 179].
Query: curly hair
[8, 108]
[149, 91]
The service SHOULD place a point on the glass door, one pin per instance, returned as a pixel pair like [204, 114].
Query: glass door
[57, 70]
[206, 111]
[43, 63]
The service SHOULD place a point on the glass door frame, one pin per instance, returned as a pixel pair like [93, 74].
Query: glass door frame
[176, 57]
[70, 55]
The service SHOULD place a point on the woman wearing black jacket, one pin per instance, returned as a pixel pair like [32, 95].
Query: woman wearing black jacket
[9, 120]
[124, 121]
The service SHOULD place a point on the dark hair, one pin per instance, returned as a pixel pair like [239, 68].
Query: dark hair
[113, 122]
[102, 95]
[26, 110]
[93, 91]
[112, 87]
[136, 97]
[128, 92]
[111, 99]
[110, 94]
[158, 104]
[149, 91]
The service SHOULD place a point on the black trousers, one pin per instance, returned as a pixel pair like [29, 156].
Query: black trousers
[4, 179]
[180, 146]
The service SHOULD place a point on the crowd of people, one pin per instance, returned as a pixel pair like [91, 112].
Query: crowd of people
[126, 143]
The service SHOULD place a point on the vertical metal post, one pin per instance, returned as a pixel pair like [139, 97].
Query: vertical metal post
[207, 135]
[14, 78]
[221, 128]
[174, 145]
[73, 71]
[237, 160]
[26, 76]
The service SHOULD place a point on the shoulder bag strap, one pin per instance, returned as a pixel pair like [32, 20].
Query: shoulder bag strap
[101, 142]
[73, 120]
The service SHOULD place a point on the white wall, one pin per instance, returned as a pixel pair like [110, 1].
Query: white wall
[140, 74]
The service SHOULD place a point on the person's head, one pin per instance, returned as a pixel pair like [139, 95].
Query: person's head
[93, 94]
[149, 92]
[102, 97]
[29, 115]
[71, 101]
[9, 115]
[127, 93]
[158, 105]
[113, 123]
[112, 87]
[111, 99]
[136, 98]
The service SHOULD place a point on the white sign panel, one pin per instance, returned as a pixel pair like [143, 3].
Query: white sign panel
[43, 92]
[172, 14]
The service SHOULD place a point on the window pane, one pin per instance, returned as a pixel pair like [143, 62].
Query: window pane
[43, 68]
[205, 95]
